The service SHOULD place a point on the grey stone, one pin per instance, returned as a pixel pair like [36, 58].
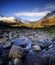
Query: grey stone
[17, 61]
[16, 52]
[49, 56]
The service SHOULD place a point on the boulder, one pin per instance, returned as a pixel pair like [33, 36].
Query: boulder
[33, 58]
[16, 52]
[49, 56]
[7, 45]
[36, 48]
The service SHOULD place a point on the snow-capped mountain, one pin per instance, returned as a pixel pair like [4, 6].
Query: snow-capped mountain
[48, 20]
[50, 14]
[7, 19]
[14, 20]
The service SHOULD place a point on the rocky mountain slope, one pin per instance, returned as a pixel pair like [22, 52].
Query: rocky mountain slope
[48, 20]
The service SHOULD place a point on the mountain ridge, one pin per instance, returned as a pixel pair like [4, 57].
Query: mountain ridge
[48, 20]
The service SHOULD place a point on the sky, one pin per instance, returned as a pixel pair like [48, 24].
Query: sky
[32, 10]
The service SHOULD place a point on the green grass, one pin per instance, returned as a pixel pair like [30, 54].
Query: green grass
[51, 30]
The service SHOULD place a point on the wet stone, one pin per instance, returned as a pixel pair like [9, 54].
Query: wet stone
[11, 63]
[33, 58]
[7, 45]
[16, 52]
[22, 47]
[50, 56]
[4, 57]
[1, 49]
[36, 47]
[17, 61]
[25, 42]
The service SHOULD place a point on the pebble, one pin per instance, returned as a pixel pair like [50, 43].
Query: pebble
[17, 61]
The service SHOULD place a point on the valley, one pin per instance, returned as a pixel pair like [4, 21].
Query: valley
[31, 43]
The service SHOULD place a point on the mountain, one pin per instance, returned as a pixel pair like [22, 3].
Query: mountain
[48, 20]
[13, 21]
[8, 19]
[50, 14]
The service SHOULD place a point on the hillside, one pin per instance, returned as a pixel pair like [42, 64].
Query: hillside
[48, 20]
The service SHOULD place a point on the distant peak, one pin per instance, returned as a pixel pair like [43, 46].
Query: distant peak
[50, 14]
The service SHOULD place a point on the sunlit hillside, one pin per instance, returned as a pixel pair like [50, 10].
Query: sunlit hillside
[48, 20]
[44, 22]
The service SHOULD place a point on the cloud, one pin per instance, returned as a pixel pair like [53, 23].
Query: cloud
[35, 10]
[33, 13]
[50, 6]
